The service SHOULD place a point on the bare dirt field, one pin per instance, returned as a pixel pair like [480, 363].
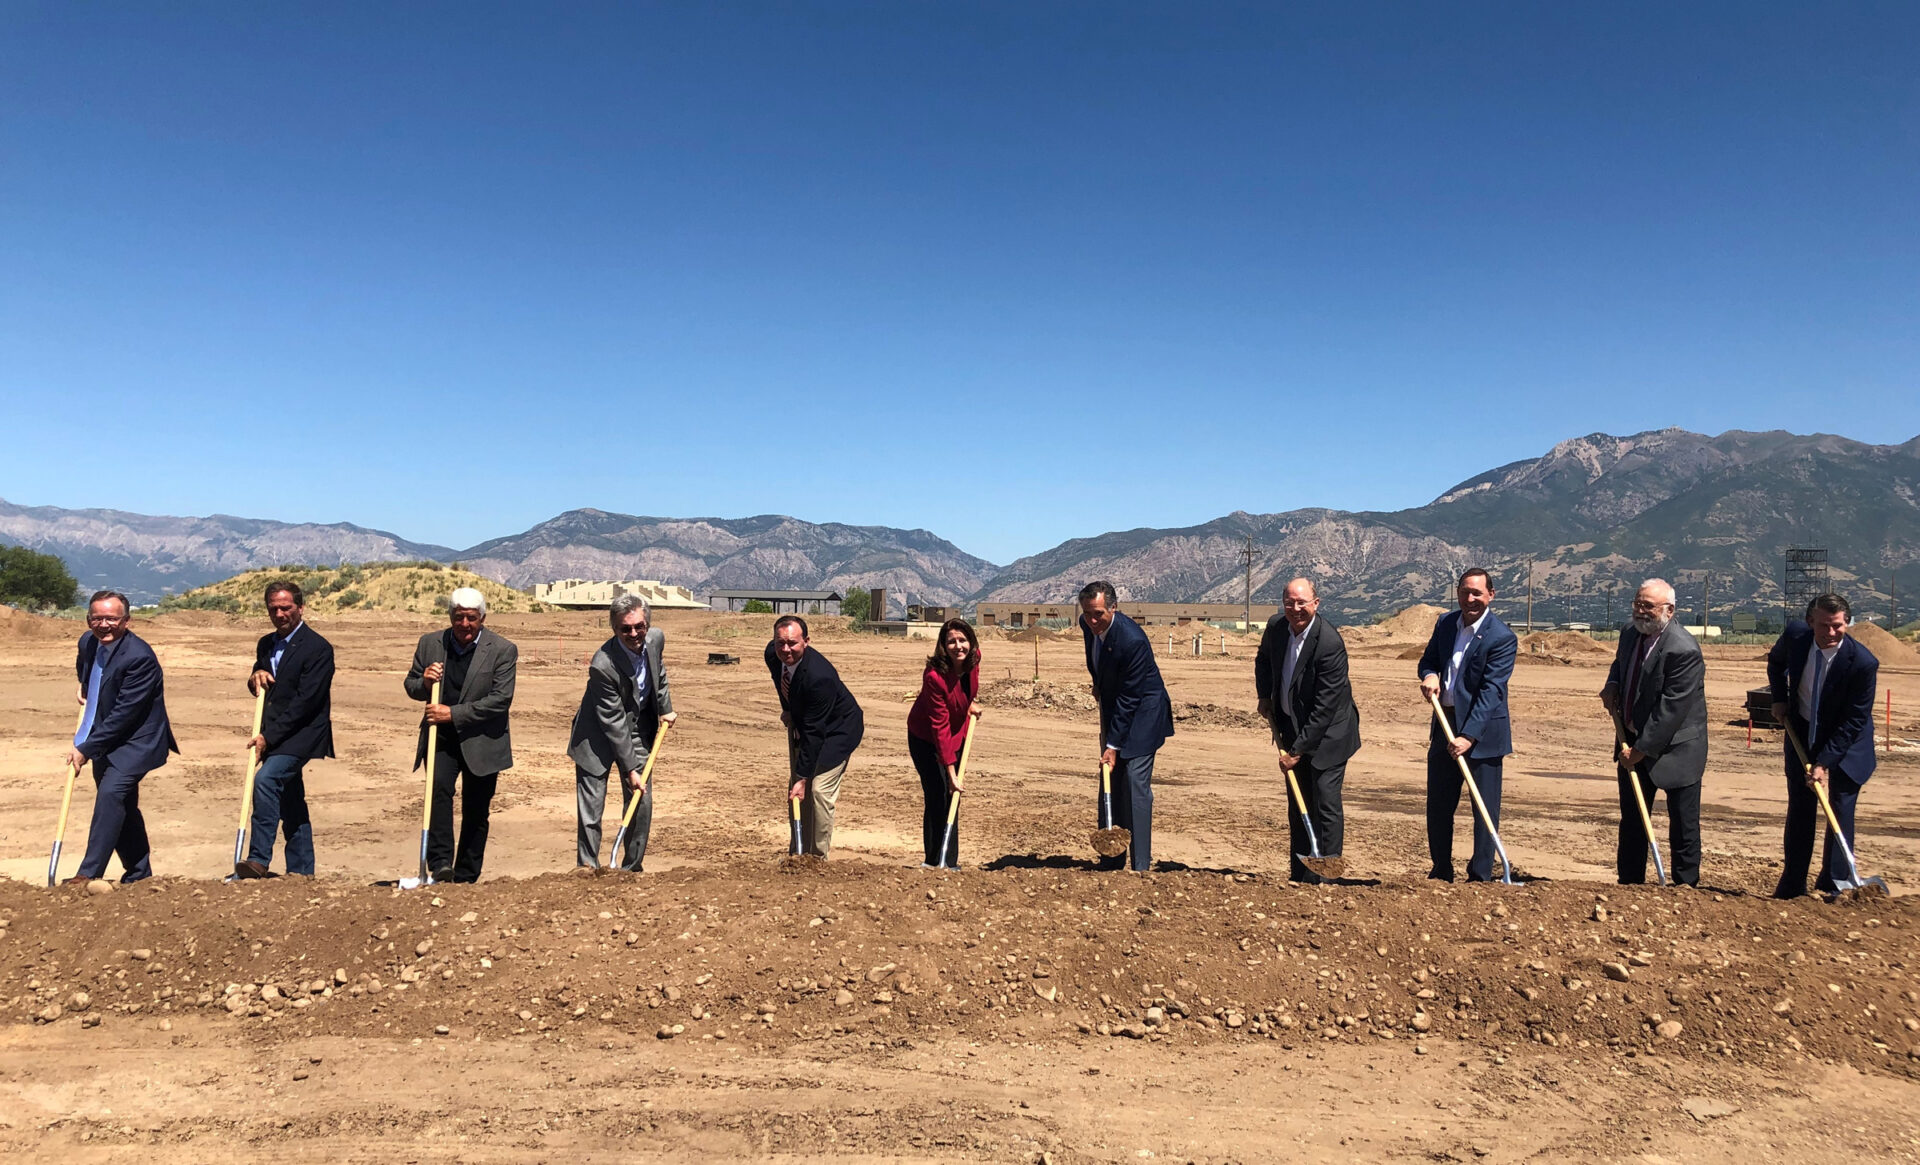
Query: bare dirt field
[726, 1005]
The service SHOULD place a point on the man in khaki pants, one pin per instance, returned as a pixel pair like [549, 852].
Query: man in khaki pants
[824, 726]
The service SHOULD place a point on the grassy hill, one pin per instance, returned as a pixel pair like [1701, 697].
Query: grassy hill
[421, 587]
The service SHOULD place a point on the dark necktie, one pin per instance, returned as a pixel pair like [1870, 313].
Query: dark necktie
[786, 682]
[1819, 674]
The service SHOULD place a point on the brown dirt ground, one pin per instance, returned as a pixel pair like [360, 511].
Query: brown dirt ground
[1023, 1008]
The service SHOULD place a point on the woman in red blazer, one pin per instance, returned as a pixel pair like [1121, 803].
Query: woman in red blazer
[937, 727]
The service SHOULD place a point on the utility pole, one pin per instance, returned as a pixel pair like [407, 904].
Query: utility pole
[1706, 604]
[1247, 557]
[1893, 600]
[1529, 595]
[1609, 593]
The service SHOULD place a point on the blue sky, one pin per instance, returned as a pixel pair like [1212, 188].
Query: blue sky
[1010, 272]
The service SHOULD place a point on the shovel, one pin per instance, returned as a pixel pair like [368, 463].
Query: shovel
[1639, 798]
[240, 867]
[1109, 841]
[66, 803]
[959, 779]
[1874, 887]
[646, 778]
[1486, 818]
[793, 803]
[1323, 866]
[426, 801]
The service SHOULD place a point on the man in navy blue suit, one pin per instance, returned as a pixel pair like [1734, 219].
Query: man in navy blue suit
[1823, 684]
[1467, 664]
[124, 734]
[1135, 715]
[295, 667]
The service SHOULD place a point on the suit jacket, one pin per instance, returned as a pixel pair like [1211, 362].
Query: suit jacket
[1843, 737]
[1485, 670]
[1669, 705]
[1325, 725]
[611, 729]
[480, 718]
[130, 731]
[298, 719]
[1135, 715]
[823, 719]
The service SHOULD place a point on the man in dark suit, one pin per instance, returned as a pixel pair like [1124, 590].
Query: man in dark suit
[1823, 684]
[1657, 687]
[1467, 664]
[1300, 677]
[626, 701]
[824, 726]
[295, 667]
[1136, 717]
[124, 733]
[476, 669]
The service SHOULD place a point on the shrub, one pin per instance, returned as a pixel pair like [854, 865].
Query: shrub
[203, 601]
[350, 599]
[757, 607]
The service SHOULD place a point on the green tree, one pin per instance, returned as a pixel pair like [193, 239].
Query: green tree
[29, 578]
[757, 607]
[857, 604]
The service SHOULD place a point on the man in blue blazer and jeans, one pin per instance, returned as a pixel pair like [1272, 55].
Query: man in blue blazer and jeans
[1135, 715]
[124, 733]
[294, 665]
[1823, 684]
[1467, 664]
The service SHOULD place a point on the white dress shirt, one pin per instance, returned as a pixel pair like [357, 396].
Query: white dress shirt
[1807, 686]
[1450, 693]
[638, 660]
[1288, 665]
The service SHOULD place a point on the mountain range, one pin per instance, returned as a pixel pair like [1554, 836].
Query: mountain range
[1594, 513]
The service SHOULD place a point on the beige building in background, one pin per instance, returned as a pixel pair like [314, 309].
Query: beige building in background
[578, 594]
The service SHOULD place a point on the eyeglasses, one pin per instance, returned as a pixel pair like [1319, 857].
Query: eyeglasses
[105, 620]
[640, 629]
[1643, 605]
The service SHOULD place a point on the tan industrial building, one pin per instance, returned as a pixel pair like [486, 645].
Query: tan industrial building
[1232, 615]
[578, 594]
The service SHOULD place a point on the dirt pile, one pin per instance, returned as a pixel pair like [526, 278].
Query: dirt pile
[1886, 647]
[17, 626]
[1417, 620]
[1565, 647]
[850, 954]
[1041, 696]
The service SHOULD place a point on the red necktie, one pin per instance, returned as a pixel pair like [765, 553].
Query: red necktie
[786, 681]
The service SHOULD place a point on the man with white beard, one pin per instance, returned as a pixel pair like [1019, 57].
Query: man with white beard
[1657, 688]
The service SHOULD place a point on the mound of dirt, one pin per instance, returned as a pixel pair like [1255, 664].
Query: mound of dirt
[1415, 620]
[22, 627]
[1565, 647]
[1217, 716]
[1886, 647]
[1073, 699]
[853, 956]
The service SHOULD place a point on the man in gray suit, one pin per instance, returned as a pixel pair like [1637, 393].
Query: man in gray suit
[476, 670]
[1657, 689]
[626, 701]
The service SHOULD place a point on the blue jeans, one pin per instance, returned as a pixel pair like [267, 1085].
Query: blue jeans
[280, 799]
[1444, 788]
[118, 826]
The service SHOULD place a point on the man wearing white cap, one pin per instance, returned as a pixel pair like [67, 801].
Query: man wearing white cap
[475, 668]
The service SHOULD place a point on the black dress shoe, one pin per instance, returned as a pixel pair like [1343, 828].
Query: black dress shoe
[1439, 875]
[1307, 878]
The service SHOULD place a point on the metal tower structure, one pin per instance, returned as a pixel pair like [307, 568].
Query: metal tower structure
[1806, 578]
